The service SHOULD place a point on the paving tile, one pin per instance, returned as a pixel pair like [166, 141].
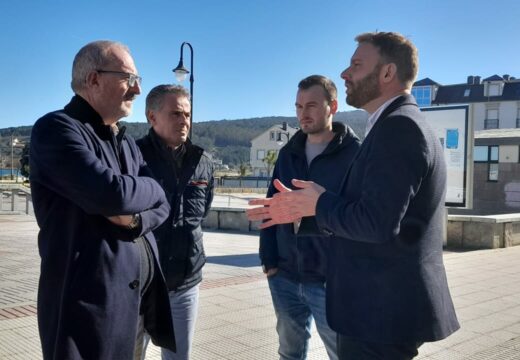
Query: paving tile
[502, 335]
[226, 348]
[448, 354]
[268, 352]
[508, 350]
[258, 338]
[203, 336]
[429, 349]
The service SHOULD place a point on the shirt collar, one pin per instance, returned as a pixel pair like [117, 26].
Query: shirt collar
[372, 119]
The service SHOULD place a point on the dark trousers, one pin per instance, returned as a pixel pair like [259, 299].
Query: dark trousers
[352, 349]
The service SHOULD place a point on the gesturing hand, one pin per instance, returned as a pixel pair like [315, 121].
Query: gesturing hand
[287, 205]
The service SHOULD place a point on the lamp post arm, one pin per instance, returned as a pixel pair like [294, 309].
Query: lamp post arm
[191, 82]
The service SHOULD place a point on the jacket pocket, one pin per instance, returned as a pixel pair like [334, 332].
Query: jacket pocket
[195, 200]
[197, 257]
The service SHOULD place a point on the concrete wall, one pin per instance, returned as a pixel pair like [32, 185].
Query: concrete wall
[484, 232]
[229, 219]
[467, 232]
[494, 197]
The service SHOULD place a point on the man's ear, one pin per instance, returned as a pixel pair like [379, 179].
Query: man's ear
[92, 79]
[333, 106]
[151, 117]
[388, 72]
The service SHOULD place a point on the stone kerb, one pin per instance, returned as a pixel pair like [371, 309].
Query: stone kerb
[225, 218]
[483, 232]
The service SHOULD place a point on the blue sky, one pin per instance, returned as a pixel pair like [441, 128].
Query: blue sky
[249, 55]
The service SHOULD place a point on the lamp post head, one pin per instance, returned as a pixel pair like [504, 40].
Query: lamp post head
[180, 72]
[280, 140]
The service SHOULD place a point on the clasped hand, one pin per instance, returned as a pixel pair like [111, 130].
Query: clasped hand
[286, 206]
[120, 220]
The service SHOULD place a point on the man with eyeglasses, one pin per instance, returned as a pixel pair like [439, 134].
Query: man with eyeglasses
[96, 205]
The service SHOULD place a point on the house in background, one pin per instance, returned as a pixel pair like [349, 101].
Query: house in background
[272, 139]
[495, 110]
[496, 173]
[495, 101]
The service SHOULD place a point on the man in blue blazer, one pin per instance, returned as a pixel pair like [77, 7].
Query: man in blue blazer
[100, 282]
[387, 291]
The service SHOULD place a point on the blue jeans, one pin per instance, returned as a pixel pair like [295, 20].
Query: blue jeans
[184, 306]
[295, 305]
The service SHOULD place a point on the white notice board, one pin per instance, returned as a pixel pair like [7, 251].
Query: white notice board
[451, 123]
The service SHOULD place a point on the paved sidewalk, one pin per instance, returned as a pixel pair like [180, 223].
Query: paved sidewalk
[236, 318]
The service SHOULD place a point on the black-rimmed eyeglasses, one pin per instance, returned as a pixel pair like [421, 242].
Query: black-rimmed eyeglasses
[131, 78]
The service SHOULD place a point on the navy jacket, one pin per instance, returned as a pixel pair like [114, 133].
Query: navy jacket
[297, 256]
[387, 282]
[88, 295]
[189, 192]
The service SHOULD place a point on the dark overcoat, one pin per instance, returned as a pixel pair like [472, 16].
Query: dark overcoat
[387, 282]
[88, 296]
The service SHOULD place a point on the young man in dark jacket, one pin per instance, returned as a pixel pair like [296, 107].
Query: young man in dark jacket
[296, 264]
[185, 172]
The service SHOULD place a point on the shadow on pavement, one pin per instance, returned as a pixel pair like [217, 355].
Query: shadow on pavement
[242, 260]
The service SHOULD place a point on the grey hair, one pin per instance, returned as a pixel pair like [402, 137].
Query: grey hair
[93, 56]
[154, 99]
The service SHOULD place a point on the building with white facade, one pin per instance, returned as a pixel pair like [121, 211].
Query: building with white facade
[495, 101]
[495, 112]
[271, 140]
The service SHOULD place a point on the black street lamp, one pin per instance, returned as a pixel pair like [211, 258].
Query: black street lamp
[181, 72]
[285, 132]
[14, 142]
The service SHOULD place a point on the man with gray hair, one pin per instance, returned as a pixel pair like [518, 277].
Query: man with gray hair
[185, 172]
[96, 205]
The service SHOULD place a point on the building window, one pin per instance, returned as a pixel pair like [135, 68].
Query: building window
[260, 154]
[271, 136]
[423, 95]
[493, 90]
[480, 154]
[493, 153]
[493, 164]
[493, 172]
[489, 155]
[467, 92]
[491, 121]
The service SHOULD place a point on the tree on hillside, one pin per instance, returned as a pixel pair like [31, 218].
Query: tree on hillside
[269, 161]
[243, 169]
[228, 140]
[24, 160]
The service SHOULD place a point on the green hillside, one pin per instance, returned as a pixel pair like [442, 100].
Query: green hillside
[228, 140]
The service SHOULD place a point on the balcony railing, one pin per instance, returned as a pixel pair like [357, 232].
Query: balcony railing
[15, 198]
[491, 124]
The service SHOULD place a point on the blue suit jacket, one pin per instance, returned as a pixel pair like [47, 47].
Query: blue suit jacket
[387, 281]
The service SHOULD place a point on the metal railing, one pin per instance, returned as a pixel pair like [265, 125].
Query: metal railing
[15, 198]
